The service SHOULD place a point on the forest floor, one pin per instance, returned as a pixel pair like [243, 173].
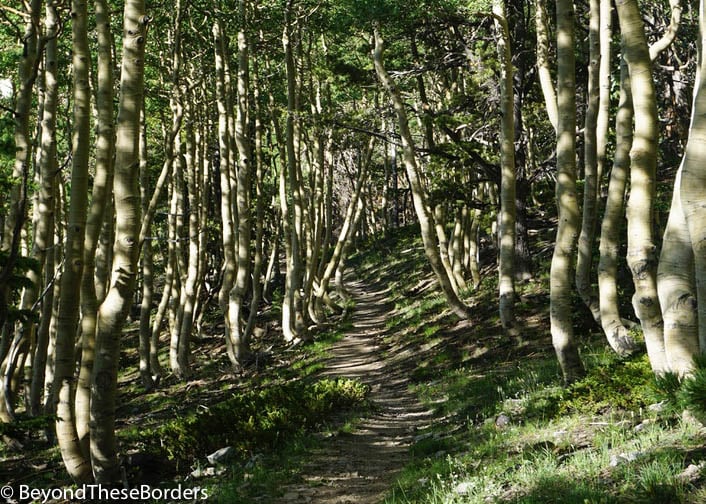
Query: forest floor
[359, 467]
[401, 402]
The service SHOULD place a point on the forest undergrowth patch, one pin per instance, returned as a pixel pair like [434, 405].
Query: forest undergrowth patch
[269, 410]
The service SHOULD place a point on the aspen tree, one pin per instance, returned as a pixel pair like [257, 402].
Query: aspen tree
[48, 175]
[587, 236]
[237, 325]
[113, 311]
[102, 186]
[75, 460]
[506, 230]
[560, 309]
[641, 254]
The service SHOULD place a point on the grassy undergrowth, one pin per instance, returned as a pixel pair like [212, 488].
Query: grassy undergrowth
[508, 430]
[268, 414]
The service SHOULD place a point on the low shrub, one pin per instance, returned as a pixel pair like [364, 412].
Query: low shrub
[255, 419]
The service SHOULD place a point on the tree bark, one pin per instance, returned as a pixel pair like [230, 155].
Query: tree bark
[545, 76]
[641, 255]
[237, 326]
[613, 326]
[113, 311]
[693, 185]
[506, 228]
[587, 237]
[76, 462]
[102, 184]
[44, 237]
[561, 310]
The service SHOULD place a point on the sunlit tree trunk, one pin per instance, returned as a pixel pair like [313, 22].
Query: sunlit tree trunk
[676, 280]
[187, 302]
[102, 185]
[561, 310]
[292, 317]
[613, 325]
[641, 255]
[227, 217]
[506, 229]
[148, 374]
[545, 76]
[76, 462]
[677, 288]
[692, 189]
[113, 311]
[671, 33]
[175, 222]
[237, 326]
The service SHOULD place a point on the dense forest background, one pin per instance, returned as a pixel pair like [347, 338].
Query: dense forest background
[174, 171]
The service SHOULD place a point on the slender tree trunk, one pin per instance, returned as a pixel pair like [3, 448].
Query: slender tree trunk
[102, 185]
[257, 290]
[506, 229]
[228, 231]
[188, 292]
[44, 236]
[561, 310]
[237, 327]
[587, 237]
[545, 76]
[114, 309]
[148, 374]
[76, 462]
[292, 321]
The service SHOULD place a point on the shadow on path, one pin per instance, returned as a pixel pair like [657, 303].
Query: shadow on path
[359, 467]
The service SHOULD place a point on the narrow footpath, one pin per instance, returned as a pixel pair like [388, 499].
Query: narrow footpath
[360, 467]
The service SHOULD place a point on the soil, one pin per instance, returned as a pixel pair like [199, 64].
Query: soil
[360, 466]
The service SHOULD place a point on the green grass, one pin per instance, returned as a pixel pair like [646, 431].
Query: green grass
[560, 441]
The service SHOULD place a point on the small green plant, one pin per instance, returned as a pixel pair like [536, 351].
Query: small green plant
[255, 418]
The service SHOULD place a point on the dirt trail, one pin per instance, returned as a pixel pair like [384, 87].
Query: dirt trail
[360, 467]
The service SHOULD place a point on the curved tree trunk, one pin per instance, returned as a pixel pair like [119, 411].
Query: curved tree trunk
[615, 330]
[426, 221]
[114, 309]
[44, 237]
[75, 460]
[677, 289]
[641, 255]
[693, 185]
[545, 76]
[102, 185]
